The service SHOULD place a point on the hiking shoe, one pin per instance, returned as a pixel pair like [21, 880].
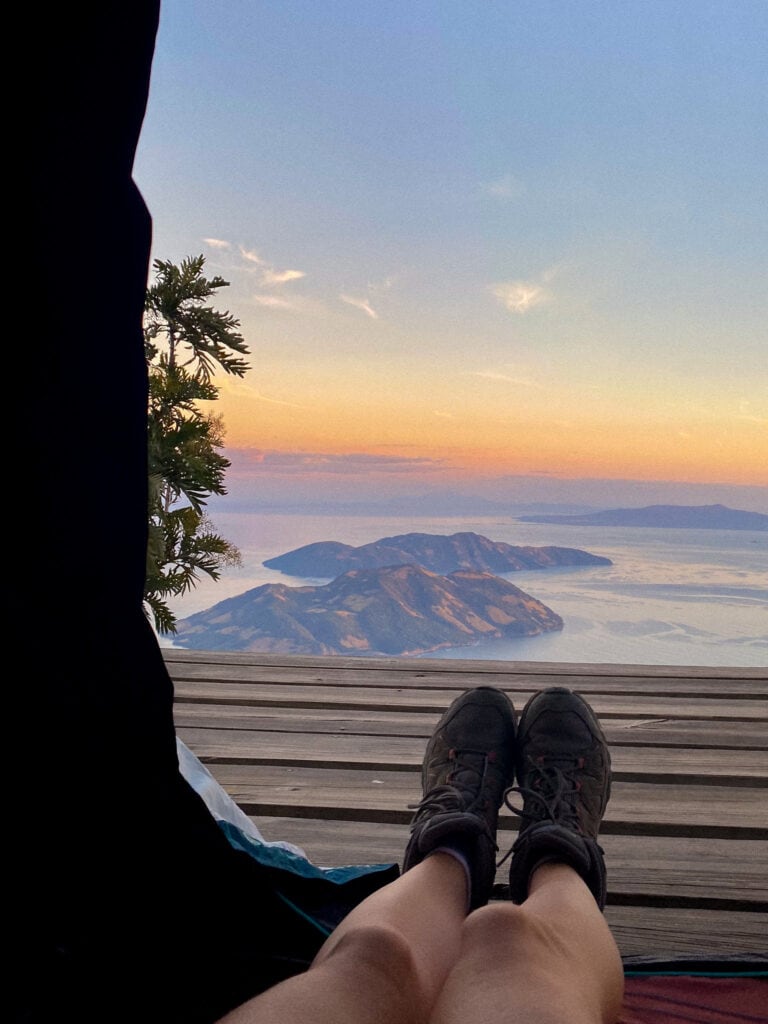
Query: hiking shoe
[468, 765]
[563, 771]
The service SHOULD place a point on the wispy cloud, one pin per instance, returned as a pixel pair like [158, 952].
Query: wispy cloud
[505, 187]
[245, 390]
[330, 463]
[273, 301]
[275, 401]
[271, 276]
[362, 304]
[443, 415]
[521, 296]
[290, 303]
[251, 256]
[365, 303]
[273, 284]
[268, 276]
[505, 378]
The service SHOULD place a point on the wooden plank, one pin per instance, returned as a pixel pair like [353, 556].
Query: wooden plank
[460, 666]
[669, 932]
[685, 860]
[680, 733]
[682, 871]
[686, 733]
[635, 808]
[606, 705]
[713, 873]
[669, 765]
[512, 681]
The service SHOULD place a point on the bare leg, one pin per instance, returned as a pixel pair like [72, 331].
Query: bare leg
[550, 960]
[410, 954]
[385, 963]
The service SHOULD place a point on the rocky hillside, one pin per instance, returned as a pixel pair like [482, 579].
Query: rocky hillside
[440, 554]
[395, 610]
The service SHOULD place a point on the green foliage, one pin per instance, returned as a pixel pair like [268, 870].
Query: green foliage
[185, 341]
[195, 334]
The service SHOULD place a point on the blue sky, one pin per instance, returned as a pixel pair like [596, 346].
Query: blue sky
[506, 238]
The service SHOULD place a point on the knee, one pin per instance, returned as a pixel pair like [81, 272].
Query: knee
[504, 930]
[380, 946]
[494, 926]
[577, 968]
[385, 964]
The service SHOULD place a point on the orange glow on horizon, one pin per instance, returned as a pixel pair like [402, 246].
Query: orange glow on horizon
[659, 451]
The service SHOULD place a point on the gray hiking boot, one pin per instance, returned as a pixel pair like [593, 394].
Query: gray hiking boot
[468, 765]
[564, 777]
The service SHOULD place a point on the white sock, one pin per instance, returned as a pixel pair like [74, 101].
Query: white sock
[461, 858]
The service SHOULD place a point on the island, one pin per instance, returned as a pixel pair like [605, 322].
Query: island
[394, 610]
[438, 553]
[685, 517]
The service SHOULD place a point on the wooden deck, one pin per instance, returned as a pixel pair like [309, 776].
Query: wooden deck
[326, 753]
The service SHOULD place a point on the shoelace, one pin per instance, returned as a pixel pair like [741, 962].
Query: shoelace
[553, 784]
[450, 795]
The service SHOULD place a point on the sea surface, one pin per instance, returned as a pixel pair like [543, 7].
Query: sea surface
[671, 597]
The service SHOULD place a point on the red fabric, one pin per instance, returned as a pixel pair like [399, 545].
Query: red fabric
[692, 1000]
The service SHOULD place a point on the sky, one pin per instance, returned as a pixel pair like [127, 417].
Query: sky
[473, 244]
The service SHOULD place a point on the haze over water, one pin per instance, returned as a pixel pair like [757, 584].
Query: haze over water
[671, 597]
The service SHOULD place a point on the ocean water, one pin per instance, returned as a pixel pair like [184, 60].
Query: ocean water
[671, 597]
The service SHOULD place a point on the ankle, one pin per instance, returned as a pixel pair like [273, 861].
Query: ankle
[552, 871]
[458, 851]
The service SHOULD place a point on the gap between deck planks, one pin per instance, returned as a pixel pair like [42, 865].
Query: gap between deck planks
[667, 869]
[707, 766]
[255, 694]
[355, 795]
[653, 732]
[746, 689]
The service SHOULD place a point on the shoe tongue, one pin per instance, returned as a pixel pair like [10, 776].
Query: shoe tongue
[468, 769]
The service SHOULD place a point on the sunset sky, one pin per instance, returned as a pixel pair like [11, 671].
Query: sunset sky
[489, 239]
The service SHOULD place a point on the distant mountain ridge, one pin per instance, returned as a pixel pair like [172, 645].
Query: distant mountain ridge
[392, 610]
[440, 554]
[689, 517]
